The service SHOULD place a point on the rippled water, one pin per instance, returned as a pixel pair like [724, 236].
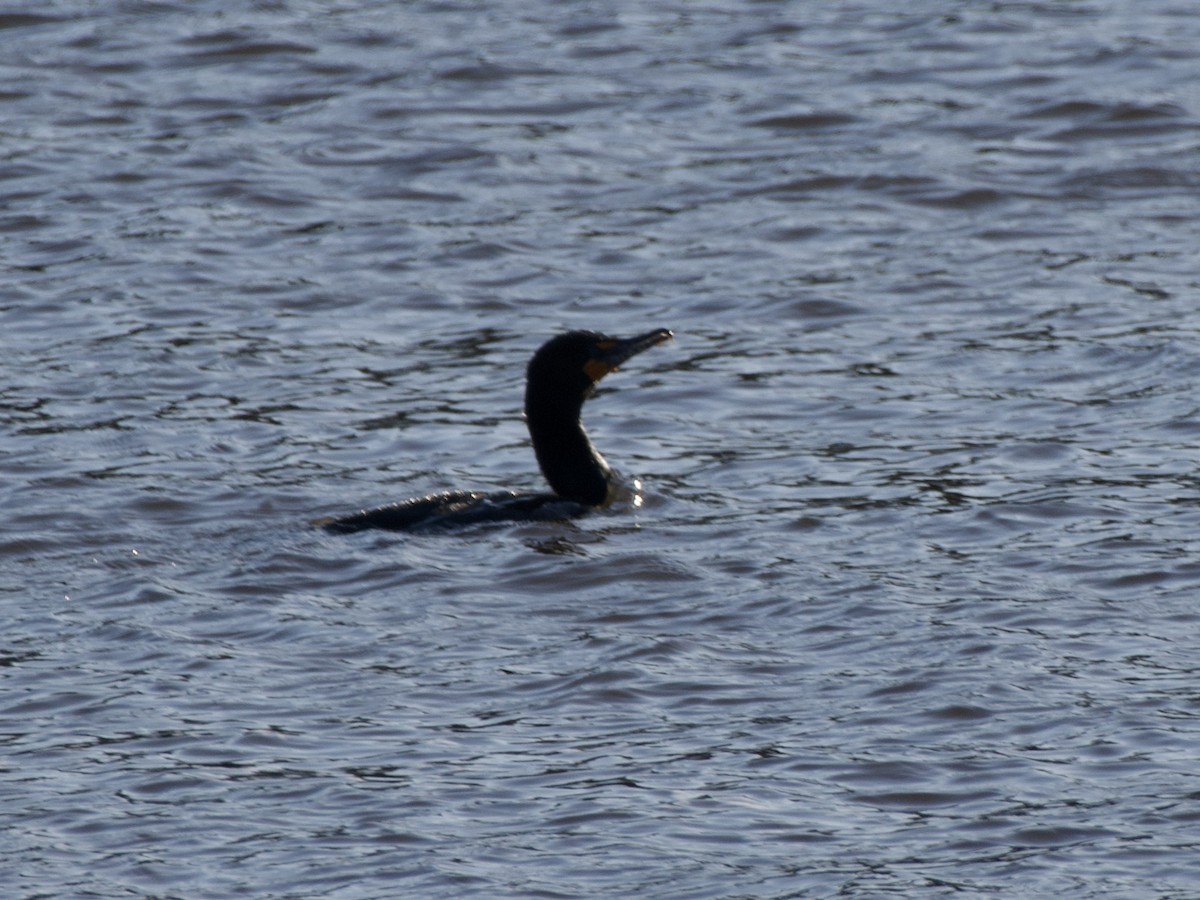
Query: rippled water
[910, 609]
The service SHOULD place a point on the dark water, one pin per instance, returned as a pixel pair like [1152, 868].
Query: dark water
[911, 606]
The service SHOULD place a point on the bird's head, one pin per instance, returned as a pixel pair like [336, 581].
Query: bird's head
[572, 363]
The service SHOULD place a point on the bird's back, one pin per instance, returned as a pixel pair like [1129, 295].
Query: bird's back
[455, 509]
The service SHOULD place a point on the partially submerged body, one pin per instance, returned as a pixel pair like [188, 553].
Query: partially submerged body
[457, 509]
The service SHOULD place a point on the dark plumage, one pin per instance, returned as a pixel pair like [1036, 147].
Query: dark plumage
[559, 379]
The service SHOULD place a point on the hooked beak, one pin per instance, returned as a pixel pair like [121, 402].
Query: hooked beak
[612, 352]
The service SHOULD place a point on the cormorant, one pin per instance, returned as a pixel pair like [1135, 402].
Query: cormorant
[559, 379]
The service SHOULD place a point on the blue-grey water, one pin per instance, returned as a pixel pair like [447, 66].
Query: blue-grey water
[912, 605]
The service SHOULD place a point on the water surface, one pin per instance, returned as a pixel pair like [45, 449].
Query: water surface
[909, 609]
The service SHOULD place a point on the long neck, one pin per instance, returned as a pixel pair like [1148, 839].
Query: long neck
[575, 469]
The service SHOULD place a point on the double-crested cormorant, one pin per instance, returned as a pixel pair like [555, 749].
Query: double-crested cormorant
[560, 378]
